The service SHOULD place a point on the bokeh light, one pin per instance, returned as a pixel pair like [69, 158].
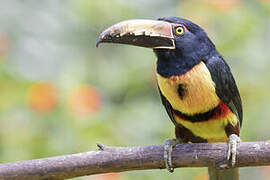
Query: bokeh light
[42, 97]
[4, 46]
[84, 100]
[108, 176]
[224, 5]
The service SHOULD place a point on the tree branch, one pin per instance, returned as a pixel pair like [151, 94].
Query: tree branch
[118, 159]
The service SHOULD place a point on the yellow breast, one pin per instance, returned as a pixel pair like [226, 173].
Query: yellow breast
[199, 90]
[213, 129]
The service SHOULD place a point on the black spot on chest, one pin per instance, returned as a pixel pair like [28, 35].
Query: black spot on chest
[181, 90]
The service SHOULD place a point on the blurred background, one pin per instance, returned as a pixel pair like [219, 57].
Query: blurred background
[59, 94]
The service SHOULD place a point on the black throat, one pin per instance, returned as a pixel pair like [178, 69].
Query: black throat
[172, 62]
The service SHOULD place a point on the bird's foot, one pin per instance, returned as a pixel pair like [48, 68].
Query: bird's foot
[233, 141]
[169, 144]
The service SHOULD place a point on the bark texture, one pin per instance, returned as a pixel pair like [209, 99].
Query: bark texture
[118, 159]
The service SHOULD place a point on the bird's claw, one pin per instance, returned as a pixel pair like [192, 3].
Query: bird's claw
[169, 144]
[232, 147]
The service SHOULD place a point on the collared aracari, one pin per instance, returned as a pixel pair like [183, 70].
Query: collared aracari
[195, 84]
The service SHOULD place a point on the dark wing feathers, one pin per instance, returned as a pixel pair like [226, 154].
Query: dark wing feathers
[167, 106]
[226, 88]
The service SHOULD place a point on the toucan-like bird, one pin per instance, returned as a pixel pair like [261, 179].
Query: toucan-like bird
[195, 83]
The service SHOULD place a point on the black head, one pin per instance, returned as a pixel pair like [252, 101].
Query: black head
[190, 39]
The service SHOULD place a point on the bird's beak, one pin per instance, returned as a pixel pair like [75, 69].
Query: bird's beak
[145, 33]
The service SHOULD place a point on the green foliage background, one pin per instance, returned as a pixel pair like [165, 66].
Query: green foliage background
[53, 41]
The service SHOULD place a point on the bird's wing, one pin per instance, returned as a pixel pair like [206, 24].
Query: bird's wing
[167, 106]
[226, 88]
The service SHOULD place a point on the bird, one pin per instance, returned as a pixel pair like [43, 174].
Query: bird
[194, 81]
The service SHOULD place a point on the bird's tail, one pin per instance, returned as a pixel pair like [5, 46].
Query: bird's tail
[226, 174]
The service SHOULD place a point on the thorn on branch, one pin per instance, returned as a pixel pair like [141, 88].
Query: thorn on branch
[101, 147]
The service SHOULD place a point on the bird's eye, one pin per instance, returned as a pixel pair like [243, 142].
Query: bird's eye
[179, 30]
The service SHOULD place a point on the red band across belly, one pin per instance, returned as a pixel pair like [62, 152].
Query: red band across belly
[221, 110]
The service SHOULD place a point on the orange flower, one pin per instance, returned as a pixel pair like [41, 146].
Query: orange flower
[108, 176]
[264, 171]
[3, 45]
[42, 97]
[84, 100]
[201, 176]
[224, 5]
[264, 1]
